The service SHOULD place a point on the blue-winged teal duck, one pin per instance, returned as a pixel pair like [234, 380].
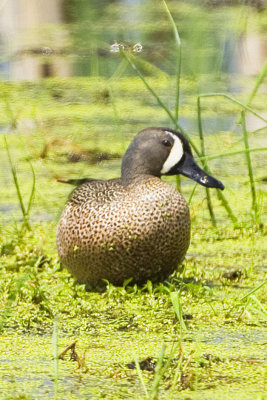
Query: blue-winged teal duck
[136, 226]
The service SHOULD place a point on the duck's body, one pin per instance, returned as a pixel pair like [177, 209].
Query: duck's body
[112, 232]
[135, 227]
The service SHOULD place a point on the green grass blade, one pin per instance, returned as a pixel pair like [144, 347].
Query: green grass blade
[179, 61]
[178, 309]
[15, 179]
[232, 153]
[249, 165]
[262, 75]
[192, 194]
[233, 100]
[202, 145]
[257, 301]
[227, 207]
[149, 88]
[219, 192]
[254, 290]
[158, 374]
[32, 192]
[139, 373]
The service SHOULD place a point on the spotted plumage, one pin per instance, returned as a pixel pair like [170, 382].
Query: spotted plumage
[134, 227]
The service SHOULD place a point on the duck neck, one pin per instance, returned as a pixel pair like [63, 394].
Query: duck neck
[135, 167]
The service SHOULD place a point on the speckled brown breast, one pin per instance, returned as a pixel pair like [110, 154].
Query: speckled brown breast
[110, 232]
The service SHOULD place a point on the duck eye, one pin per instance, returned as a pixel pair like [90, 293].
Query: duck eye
[166, 143]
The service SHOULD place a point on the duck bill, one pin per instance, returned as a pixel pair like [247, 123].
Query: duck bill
[190, 169]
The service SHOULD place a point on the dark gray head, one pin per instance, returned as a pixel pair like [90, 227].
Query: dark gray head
[163, 151]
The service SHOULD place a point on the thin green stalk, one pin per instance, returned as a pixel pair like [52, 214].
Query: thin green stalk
[149, 88]
[254, 290]
[15, 179]
[226, 206]
[139, 372]
[202, 144]
[192, 194]
[179, 61]
[158, 374]
[219, 192]
[234, 101]
[261, 306]
[55, 355]
[178, 76]
[262, 75]
[232, 153]
[249, 165]
[175, 299]
[119, 70]
[32, 192]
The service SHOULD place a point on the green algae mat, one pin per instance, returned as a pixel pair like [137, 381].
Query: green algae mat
[199, 335]
[217, 352]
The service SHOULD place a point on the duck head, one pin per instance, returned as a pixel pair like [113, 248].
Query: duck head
[163, 151]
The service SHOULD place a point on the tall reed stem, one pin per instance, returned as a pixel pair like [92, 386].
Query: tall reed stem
[202, 144]
[178, 76]
[219, 193]
[254, 206]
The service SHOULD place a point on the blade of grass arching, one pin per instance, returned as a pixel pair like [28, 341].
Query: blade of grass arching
[15, 179]
[178, 309]
[161, 369]
[179, 61]
[246, 297]
[148, 67]
[232, 153]
[192, 194]
[139, 372]
[158, 374]
[254, 290]
[149, 88]
[119, 70]
[32, 192]
[202, 145]
[232, 99]
[262, 75]
[257, 301]
[249, 165]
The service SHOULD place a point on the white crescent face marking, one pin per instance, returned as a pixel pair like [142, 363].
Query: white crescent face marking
[175, 155]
